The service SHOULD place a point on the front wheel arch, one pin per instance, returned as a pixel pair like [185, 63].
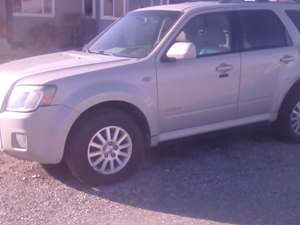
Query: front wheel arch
[126, 107]
[82, 161]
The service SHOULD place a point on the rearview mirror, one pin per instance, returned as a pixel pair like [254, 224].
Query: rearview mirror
[182, 50]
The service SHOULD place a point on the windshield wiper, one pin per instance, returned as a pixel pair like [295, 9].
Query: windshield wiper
[101, 52]
[105, 53]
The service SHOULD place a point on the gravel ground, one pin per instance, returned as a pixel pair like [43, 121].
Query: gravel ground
[238, 176]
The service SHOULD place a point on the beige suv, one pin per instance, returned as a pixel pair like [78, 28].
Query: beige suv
[157, 74]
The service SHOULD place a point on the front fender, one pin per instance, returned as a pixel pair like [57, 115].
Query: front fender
[143, 97]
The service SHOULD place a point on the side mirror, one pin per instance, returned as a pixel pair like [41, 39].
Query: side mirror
[182, 50]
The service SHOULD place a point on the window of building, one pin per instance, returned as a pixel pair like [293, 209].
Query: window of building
[165, 2]
[158, 2]
[34, 7]
[135, 4]
[262, 29]
[112, 9]
[88, 8]
[210, 33]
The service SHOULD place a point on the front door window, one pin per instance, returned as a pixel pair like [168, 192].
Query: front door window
[210, 33]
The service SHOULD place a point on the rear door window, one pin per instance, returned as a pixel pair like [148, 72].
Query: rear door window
[262, 29]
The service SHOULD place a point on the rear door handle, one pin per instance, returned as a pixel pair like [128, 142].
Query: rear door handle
[287, 59]
[224, 68]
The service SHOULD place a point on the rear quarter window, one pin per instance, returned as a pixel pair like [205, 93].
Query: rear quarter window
[295, 17]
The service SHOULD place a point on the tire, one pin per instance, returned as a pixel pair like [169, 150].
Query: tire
[286, 128]
[84, 141]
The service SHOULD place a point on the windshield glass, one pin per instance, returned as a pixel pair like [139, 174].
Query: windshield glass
[136, 34]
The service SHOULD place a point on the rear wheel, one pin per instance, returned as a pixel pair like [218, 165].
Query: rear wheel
[287, 126]
[105, 147]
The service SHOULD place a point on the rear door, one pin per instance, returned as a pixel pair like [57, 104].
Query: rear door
[267, 53]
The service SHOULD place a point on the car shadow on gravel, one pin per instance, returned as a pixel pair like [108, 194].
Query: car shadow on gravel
[239, 176]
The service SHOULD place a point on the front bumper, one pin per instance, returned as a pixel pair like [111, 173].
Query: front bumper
[45, 130]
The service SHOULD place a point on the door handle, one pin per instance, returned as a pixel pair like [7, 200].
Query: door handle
[224, 68]
[287, 59]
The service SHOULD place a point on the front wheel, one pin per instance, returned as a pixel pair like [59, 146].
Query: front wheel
[105, 147]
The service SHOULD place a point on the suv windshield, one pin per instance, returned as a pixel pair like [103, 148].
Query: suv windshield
[136, 34]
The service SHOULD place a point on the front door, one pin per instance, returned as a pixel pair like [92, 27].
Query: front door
[201, 91]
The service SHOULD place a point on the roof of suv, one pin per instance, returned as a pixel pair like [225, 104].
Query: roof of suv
[216, 4]
[184, 6]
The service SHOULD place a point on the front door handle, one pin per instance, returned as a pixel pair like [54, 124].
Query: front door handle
[287, 59]
[224, 68]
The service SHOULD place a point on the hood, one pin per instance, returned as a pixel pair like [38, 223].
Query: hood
[12, 72]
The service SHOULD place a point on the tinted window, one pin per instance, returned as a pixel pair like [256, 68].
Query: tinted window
[210, 33]
[295, 17]
[262, 30]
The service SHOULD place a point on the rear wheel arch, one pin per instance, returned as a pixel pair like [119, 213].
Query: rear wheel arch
[286, 124]
[291, 91]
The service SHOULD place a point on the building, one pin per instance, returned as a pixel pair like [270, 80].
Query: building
[62, 22]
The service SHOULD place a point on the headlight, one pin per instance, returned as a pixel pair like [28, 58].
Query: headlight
[29, 98]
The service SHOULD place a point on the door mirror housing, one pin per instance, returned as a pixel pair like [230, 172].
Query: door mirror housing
[182, 50]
